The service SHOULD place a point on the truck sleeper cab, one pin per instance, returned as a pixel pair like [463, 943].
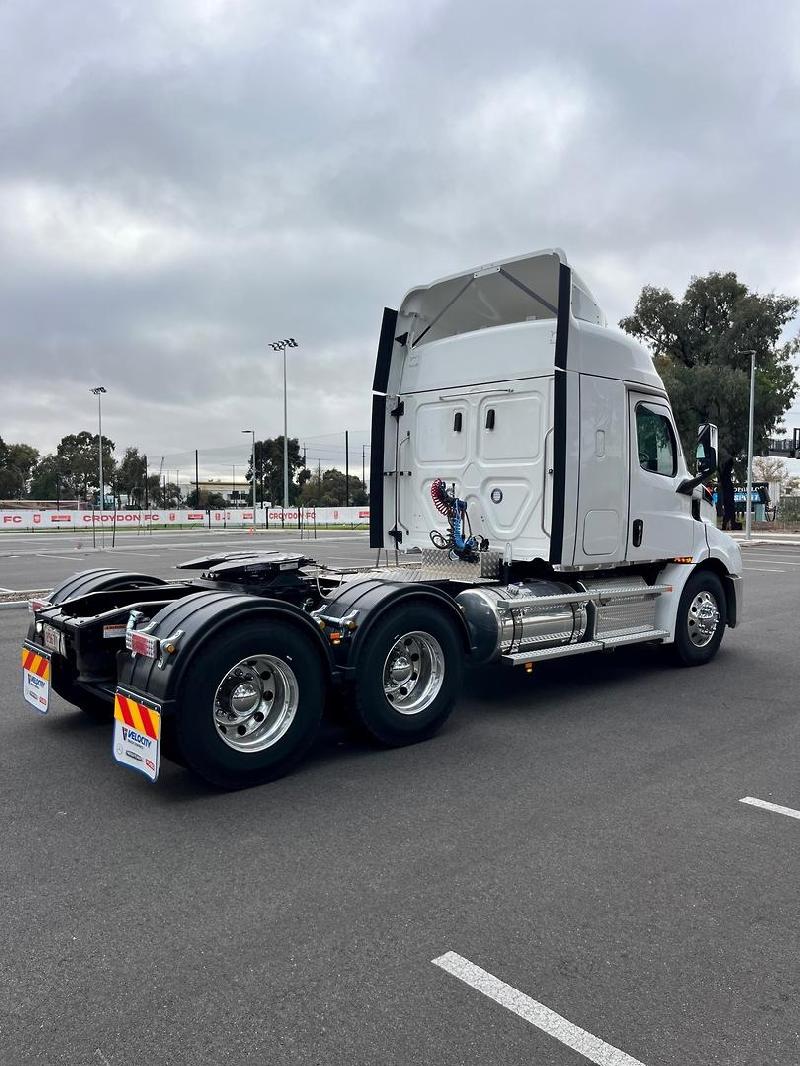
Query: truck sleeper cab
[531, 499]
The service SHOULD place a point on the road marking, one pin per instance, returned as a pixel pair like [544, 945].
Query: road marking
[764, 569]
[591, 1047]
[4, 589]
[774, 807]
[64, 558]
[266, 543]
[770, 558]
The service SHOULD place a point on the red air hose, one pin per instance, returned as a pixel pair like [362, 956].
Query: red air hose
[441, 500]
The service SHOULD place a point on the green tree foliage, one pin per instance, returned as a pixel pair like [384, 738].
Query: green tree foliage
[130, 475]
[213, 501]
[48, 481]
[698, 344]
[16, 463]
[77, 453]
[269, 470]
[330, 490]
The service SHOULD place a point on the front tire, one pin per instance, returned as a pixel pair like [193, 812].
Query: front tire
[408, 677]
[701, 619]
[250, 706]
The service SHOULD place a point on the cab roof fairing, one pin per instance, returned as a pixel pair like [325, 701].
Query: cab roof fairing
[519, 289]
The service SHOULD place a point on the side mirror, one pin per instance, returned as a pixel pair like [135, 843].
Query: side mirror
[706, 457]
[707, 448]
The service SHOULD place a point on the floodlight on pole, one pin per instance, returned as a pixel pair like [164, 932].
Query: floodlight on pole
[748, 522]
[98, 391]
[253, 472]
[281, 346]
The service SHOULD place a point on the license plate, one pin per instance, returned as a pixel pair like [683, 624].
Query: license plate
[36, 678]
[53, 639]
[137, 735]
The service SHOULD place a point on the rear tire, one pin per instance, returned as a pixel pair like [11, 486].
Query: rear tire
[250, 705]
[700, 623]
[408, 677]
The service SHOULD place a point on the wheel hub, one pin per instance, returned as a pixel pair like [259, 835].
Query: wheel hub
[255, 703]
[413, 672]
[401, 670]
[703, 620]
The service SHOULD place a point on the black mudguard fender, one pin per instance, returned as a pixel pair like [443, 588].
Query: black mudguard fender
[366, 602]
[190, 624]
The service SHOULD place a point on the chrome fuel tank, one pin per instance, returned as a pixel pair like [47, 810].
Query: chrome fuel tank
[498, 627]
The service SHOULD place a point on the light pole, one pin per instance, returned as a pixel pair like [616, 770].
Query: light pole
[253, 470]
[98, 391]
[748, 521]
[281, 346]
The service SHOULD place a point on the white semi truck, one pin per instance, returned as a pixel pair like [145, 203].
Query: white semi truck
[529, 501]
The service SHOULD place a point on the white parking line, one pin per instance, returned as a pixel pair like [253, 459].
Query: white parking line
[591, 1047]
[774, 807]
[764, 569]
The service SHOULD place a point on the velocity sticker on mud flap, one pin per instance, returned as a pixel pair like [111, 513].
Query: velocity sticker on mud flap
[36, 678]
[137, 735]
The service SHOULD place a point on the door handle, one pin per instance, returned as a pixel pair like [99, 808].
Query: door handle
[638, 530]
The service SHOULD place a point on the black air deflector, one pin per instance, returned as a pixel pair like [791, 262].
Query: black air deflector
[383, 362]
[560, 414]
[377, 437]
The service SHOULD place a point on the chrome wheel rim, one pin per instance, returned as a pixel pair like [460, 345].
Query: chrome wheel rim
[255, 703]
[413, 672]
[703, 619]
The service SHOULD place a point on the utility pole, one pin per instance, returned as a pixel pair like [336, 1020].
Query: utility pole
[196, 478]
[346, 469]
[363, 465]
[748, 522]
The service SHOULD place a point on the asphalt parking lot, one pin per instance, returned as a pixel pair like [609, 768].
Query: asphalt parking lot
[40, 560]
[572, 849]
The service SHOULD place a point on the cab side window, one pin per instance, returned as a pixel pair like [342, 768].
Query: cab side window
[655, 439]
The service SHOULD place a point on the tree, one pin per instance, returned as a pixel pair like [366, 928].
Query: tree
[16, 464]
[154, 495]
[769, 468]
[269, 470]
[208, 500]
[78, 454]
[130, 476]
[331, 491]
[698, 345]
[49, 481]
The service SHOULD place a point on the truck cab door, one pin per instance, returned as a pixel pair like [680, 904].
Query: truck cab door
[660, 523]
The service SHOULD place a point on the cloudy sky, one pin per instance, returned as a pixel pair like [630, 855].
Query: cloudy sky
[182, 181]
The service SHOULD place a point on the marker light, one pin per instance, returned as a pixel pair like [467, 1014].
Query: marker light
[142, 643]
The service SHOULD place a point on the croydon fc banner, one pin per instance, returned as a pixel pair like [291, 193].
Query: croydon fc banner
[267, 517]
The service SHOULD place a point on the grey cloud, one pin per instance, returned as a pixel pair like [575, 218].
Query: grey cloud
[178, 188]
